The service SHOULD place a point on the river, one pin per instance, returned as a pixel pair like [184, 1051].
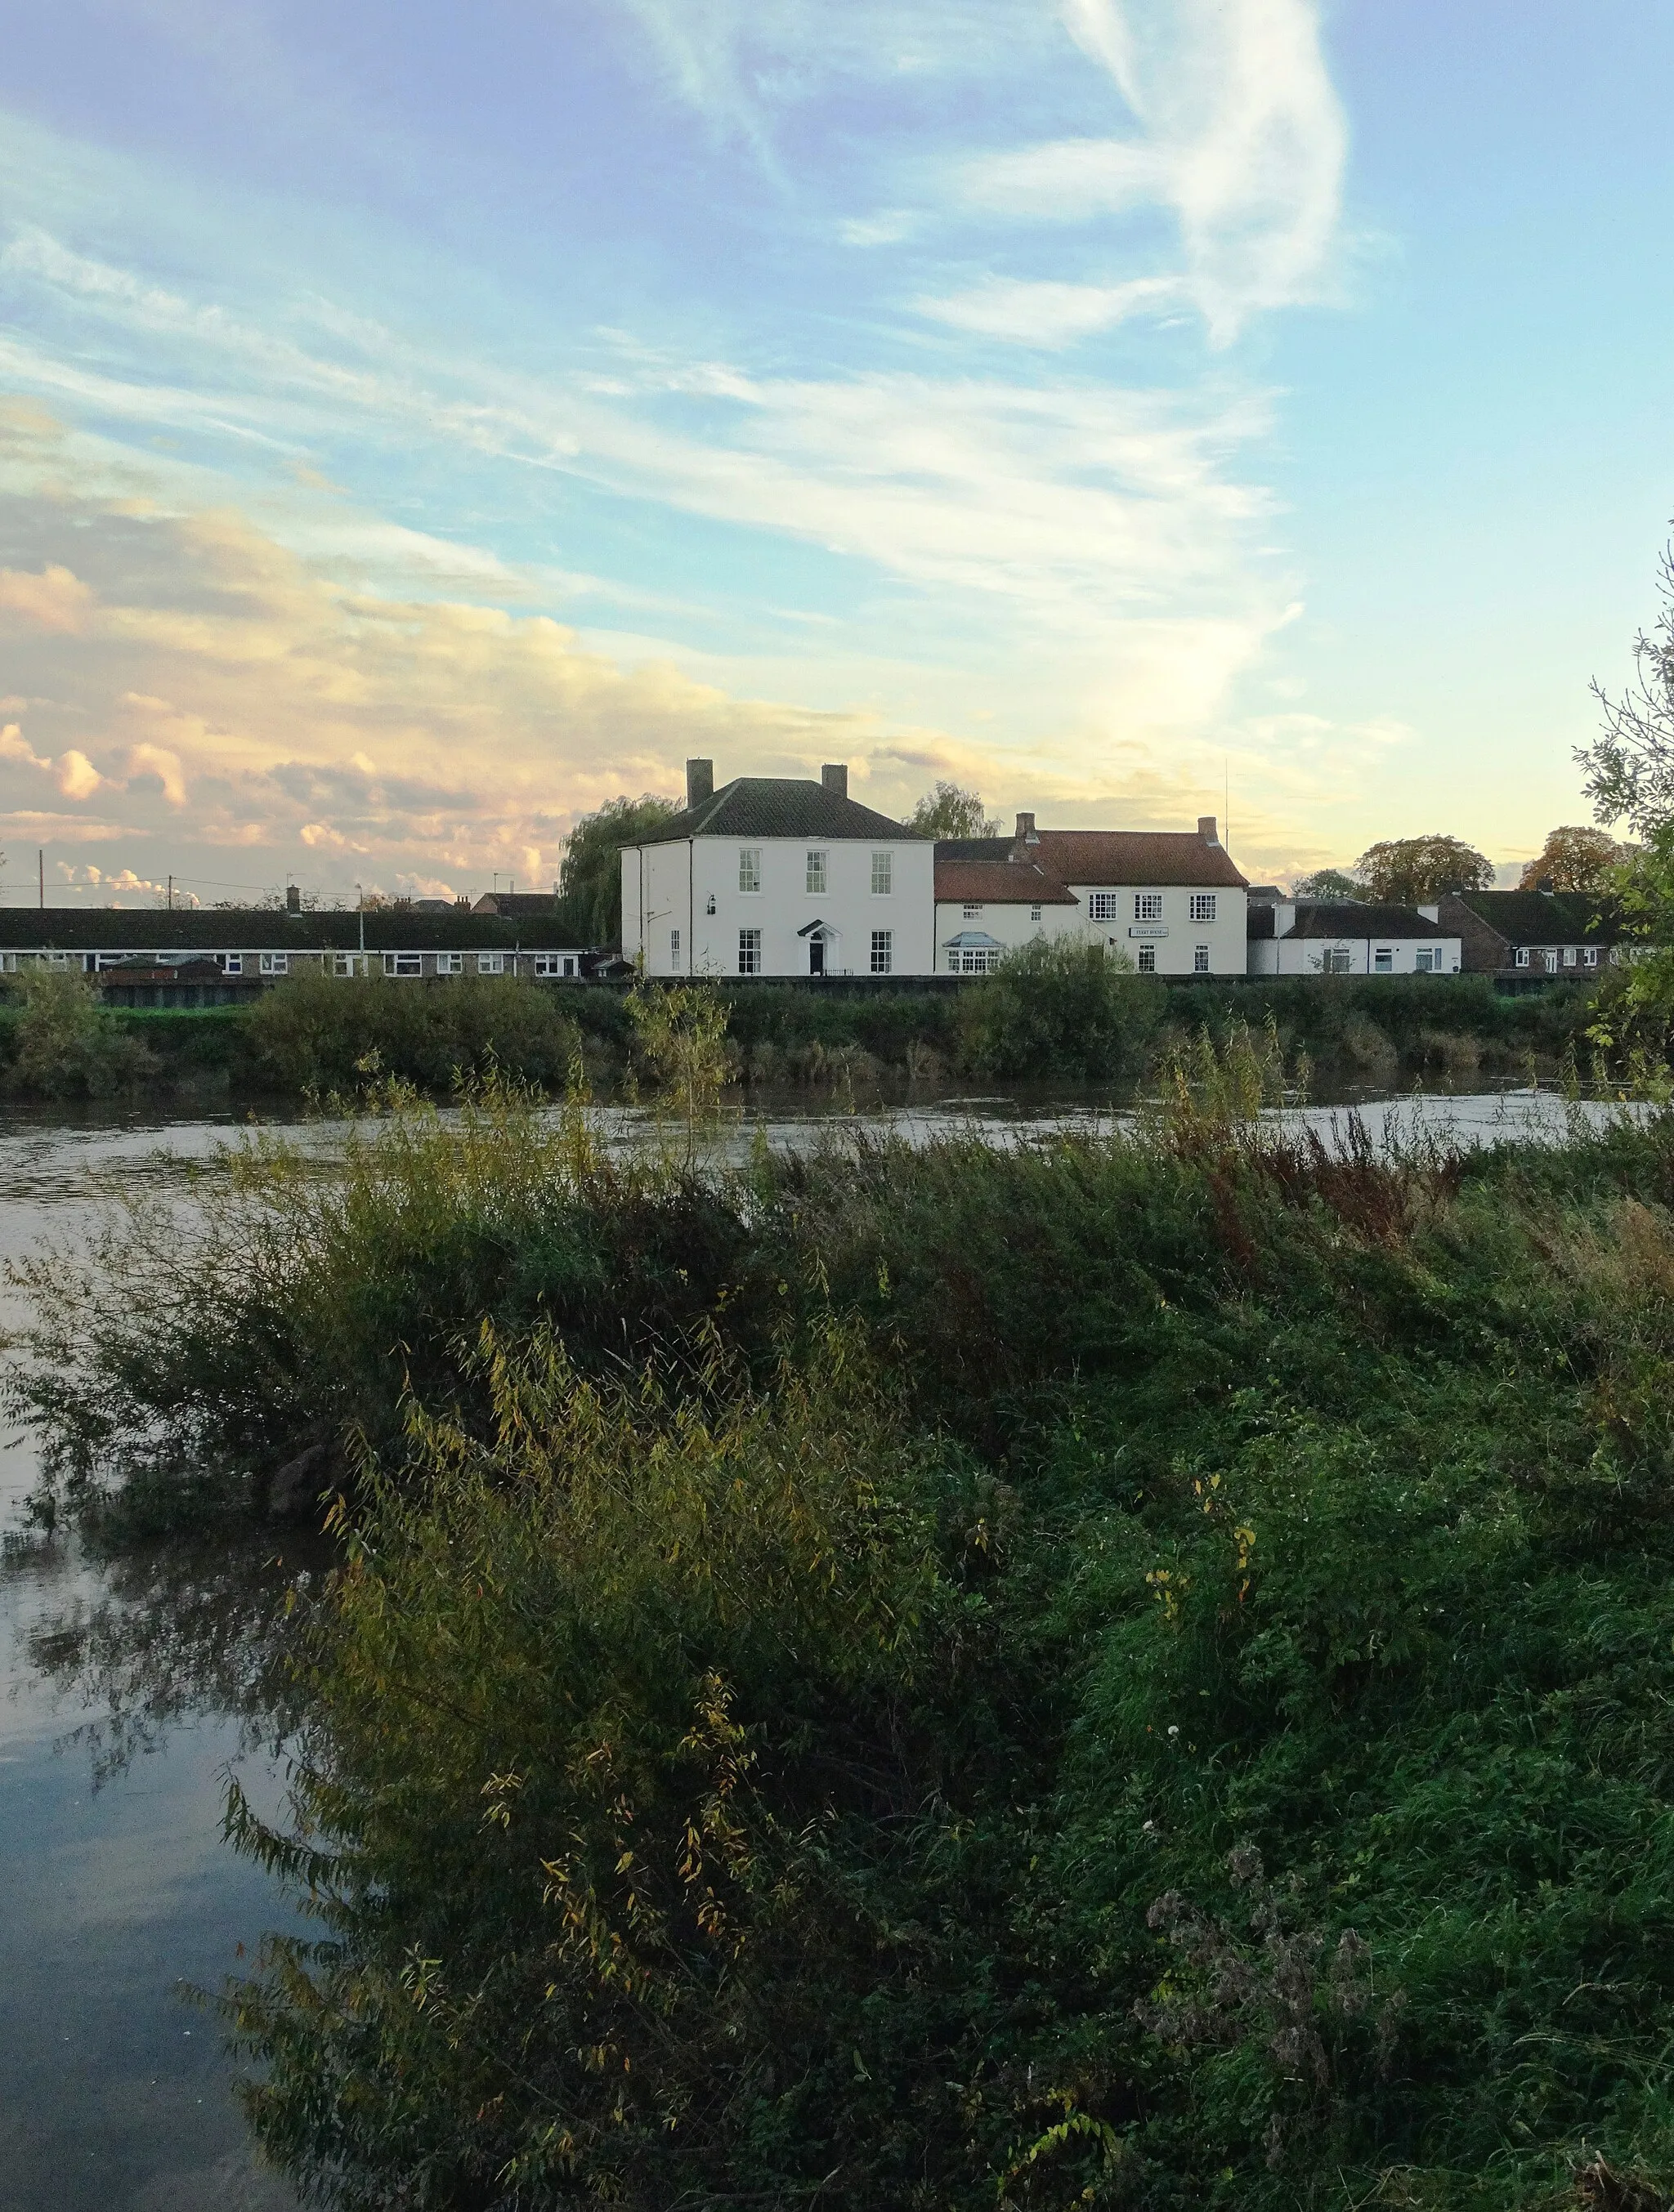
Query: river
[130, 1687]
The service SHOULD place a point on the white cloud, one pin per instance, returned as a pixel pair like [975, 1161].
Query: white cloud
[1049, 315]
[1241, 136]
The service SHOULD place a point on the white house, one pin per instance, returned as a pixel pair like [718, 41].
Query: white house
[778, 876]
[1347, 937]
[988, 907]
[1170, 902]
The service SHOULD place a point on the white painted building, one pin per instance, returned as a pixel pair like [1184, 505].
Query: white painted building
[778, 876]
[1348, 936]
[988, 908]
[1169, 902]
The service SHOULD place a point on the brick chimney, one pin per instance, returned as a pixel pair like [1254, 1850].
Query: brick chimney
[700, 781]
[835, 777]
[1206, 829]
[293, 898]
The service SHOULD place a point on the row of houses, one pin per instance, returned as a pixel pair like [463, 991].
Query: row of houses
[787, 877]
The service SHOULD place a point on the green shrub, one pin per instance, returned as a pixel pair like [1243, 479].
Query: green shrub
[64, 1044]
[321, 1033]
[1059, 1007]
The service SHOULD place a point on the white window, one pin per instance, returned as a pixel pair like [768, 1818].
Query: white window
[1424, 961]
[968, 959]
[1101, 906]
[1200, 960]
[1569, 955]
[1202, 906]
[450, 964]
[817, 872]
[1522, 956]
[883, 874]
[1034, 914]
[1383, 960]
[490, 963]
[749, 952]
[673, 948]
[1147, 959]
[1148, 907]
[403, 964]
[749, 867]
[233, 964]
[1550, 956]
[973, 909]
[276, 963]
[549, 964]
[883, 951]
[1590, 956]
[1336, 960]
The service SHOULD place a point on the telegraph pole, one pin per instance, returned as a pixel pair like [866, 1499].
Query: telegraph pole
[41, 873]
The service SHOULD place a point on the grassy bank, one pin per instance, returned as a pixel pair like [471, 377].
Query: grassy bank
[311, 1035]
[1132, 1672]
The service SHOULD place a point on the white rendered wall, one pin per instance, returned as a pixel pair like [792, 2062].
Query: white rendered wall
[1176, 948]
[1306, 956]
[667, 888]
[1006, 922]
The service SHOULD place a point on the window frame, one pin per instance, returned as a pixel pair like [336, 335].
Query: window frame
[973, 910]
[1589, 955]
[883, 952]
[1200, 961]
[274, 963]
[817, 872]
[750, 952]
[750, 871]
[674, 950]
[450, 964]
[1148, 905]
[1146, 963]
[549, 966]
[232, 964]
[883, 874]
[395, 965]
[1383, 959]
[1522, 956]
[1034, 914]
[490, 963]
[1203, 906]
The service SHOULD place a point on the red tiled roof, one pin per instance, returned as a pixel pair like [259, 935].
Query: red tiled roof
[998, 883]
[1117, 857]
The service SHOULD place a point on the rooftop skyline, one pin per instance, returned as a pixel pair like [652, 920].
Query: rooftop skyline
[417, 426]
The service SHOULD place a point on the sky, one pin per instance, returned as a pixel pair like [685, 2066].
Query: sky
[421, 423]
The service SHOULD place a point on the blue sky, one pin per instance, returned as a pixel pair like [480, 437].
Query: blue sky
[418, 423]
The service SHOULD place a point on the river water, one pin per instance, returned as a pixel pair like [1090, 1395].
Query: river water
[129, 1694]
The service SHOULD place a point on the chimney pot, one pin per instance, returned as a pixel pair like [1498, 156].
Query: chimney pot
[700, 781]
[293, 898]
[1206, 829]
[835, 777]
[1026, 832]
[1546, 884]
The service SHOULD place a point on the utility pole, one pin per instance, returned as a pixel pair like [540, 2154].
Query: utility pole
[171, 895]
[41, 873]
[360, 908]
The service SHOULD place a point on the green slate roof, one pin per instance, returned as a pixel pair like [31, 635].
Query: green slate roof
[780, 806]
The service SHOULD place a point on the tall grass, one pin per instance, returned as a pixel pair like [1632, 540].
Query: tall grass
[1132, 1670]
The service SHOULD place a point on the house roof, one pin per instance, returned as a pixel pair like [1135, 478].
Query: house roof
[779, 806]
[511, 905]
[1136, 856]
[1540, 917]
[997, 882]
[1359, 918]
[1110, 856]
[269, 929]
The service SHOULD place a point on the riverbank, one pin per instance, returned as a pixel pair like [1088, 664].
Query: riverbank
[318, 1037]
[1129, 1670]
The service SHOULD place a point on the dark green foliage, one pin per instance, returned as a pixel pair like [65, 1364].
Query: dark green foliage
[61, 1043]
[321, 1033]
[1060, 1006]
[590, 882]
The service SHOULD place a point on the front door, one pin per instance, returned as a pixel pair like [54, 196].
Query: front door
[816, 956]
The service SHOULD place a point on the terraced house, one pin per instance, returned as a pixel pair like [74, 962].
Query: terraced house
[153, 956]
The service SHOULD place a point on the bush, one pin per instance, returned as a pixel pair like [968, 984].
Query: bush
[1059, 1007]
[64, 1045]
[319, 1033]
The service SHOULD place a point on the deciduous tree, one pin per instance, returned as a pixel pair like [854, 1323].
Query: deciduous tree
[1411, 869]
[591, 878]
[952, 811]
[1576, 857]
